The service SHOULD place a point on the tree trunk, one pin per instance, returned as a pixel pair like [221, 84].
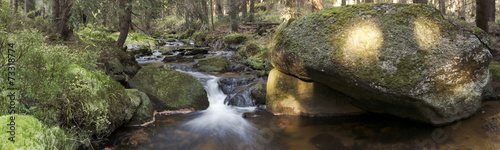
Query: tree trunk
[420, 1]
[461, 11]
[442, 7]
[16, 4]
[218, 9]
[343, 2]
[233, 12]
[125, 20]
[317, 5]
[29, 5]
[492, 10]
[61, 11]
[212, 14]
[482, 14]
[244, 8]
[403, 1]
[369, 1]
[252, 11]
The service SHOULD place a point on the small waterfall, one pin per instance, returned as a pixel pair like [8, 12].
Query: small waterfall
[220, 122]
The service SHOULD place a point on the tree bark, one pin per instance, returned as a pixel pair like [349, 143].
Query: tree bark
[16, 4]
[243, 6]
[61, 11]
[482, 14]
[343, 2]
[420, 1]
[252, 11]
[125, 20]
[317, 5]
[219, 10]
[442, 7]
[492, 10]
[233, 12]
[369, 1]
[212, 14]
[461, 11]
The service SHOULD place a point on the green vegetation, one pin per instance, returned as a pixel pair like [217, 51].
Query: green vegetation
[34, 135]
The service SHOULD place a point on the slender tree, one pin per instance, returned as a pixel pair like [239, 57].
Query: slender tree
[420, 1]
[368, 1]
[233, 12]
[219, 9]
[125, 21]
[442, 7]
[482, 14]
[212, 14]
[252, 11]
[461, 11]
[317, 5]
[492, 10]
[343, 2]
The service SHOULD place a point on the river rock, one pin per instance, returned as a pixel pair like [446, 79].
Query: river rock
[143, 111]
[259, 92]
[292, 96]
[213, 64]
[400, 59]
[173, 89]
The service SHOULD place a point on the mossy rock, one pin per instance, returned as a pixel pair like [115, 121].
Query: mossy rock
[259, 92]
[144, 110]
[213, 64]
[114, 66]
[400, 59]
[96, 102]
[30, 133]
[172, 89]
[235, 39]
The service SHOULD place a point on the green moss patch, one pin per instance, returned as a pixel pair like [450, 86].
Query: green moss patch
[32, 134]
[213, 64]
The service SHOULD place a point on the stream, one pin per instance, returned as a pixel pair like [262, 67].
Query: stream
[222, 126]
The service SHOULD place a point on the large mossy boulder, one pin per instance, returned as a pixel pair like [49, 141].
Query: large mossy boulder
[95, 102]
[26, 132]
[144, 108]
[292, 96]
[213, 64]
[173, 89]
[400, 59]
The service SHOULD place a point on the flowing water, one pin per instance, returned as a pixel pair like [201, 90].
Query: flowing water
[221, 126]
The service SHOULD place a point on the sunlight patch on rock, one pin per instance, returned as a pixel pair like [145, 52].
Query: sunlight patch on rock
[363, 43]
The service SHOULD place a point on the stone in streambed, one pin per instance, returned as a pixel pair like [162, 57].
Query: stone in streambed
[173, 89]
[143, 107]
[400, 59]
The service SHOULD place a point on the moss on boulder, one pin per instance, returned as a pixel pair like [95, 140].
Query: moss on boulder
[213, 64]
[143, 111]
[400, 59]
[30, 133]
[173, 89]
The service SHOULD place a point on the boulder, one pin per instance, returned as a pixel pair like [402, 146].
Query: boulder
[143, 111]
[177, 58]
[493, 89]
[292, 96]
[259, 92]
[213, 64]
[400, 59]
[172, 89]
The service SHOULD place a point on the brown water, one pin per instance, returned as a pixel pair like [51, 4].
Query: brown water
[223, 127]
[370, 131]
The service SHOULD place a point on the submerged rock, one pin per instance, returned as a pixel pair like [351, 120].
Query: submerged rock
[173, 89]
[401, 59]
[292, 96]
